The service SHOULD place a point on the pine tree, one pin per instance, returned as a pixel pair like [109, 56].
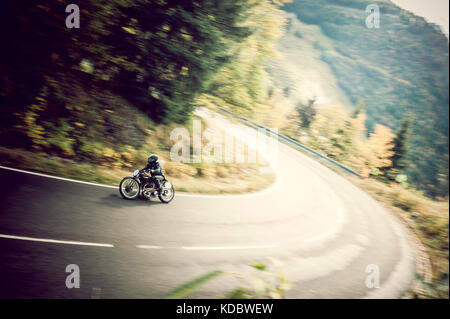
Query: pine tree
[400, 149]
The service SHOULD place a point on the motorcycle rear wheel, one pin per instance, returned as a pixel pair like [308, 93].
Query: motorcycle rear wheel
[167, 198]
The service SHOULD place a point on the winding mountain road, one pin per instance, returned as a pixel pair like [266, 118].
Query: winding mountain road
[323, 230]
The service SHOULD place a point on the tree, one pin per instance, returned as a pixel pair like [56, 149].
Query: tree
[172, 51]
[335, 134]
[244, 82]
[399, 160]
[378, 151]
[306, 113]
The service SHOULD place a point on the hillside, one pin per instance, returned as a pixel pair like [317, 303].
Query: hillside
[299, 70]
[399, 69]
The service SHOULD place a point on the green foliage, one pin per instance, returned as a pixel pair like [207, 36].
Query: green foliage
[86, 66]
[402, 179]
[157, 55]
[187, 288]
[243, 83]
[259, 266]
[60, 138]
[265, 282]
[178, 47]
[436, 227]
[428, 289]
[337, 135]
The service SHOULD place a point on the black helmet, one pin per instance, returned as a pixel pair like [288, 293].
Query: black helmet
[152, 158]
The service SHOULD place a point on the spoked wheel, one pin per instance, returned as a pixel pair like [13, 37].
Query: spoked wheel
[129, 188]
[167, 192]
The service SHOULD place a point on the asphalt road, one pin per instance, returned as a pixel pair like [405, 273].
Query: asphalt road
[321, 230]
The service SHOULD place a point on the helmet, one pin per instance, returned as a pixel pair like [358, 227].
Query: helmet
[152, 158]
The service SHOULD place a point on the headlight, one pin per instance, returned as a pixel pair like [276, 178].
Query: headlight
[136, 173]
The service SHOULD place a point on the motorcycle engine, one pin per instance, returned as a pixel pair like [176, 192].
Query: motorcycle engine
[148, 189]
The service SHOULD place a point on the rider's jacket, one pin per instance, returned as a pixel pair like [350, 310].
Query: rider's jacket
[153, 168]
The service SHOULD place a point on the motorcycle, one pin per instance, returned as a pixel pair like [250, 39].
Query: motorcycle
[141, 183]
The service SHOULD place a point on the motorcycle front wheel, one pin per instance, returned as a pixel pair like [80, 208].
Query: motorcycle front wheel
[129, 188]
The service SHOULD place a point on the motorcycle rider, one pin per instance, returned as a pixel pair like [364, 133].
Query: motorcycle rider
[154, 168]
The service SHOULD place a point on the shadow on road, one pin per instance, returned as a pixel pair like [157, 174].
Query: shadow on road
[116, 201]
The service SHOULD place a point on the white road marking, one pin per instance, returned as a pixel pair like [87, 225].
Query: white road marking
[148, 247]
[226, 247]
[55, 241]
[46, 240]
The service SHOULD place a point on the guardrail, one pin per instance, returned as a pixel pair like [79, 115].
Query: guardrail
[291, 141]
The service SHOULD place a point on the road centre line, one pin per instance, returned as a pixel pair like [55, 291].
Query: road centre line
[208, 247]
[80, 243]
[148, 247]
[45, 240]
[227, 247]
